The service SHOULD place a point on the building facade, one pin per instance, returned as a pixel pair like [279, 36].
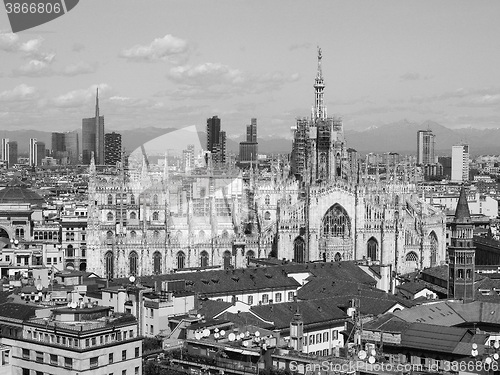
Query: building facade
[324, 208]
[93, 137]
[112, 148]
[460, 163]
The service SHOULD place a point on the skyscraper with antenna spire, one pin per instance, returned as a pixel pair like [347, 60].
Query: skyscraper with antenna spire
[93, 136]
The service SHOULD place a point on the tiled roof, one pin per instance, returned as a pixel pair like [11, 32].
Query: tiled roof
[209, 308]
[19, 311]
[387, 323]
[439, 313]
[427, 337]
[222, 282]
[312, 311]
[321, 287]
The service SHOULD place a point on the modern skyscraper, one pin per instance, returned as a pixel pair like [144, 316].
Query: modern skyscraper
[249, 148]
[9, 152]
[93, 136]
[425, 147]
[462, 253]
[113, 148]
[216, 140]
[33, 153]
[460, 163]
[5, 149]
[65, 147]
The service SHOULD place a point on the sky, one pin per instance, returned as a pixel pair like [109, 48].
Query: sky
[175, 63]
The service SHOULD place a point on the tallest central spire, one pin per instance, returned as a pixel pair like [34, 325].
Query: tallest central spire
[319, 110]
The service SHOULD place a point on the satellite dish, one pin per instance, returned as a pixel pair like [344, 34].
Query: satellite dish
[496, 345]
[474, 352]
[216, 330]
[496, 356]
[245, 343]
[257, 333]
[198, 316]
[197, 335]
[216, 335]
[231, 337]
[362, 355]
[488, 360]
[474, 346]
[206, 332]
[242, 335]
[247, 333]
[371, 360]
[373, 353]
[74, 305]
[131, 279]
[222, 333]
[39, 287]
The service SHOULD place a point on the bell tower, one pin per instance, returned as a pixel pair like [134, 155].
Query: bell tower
[461, 253]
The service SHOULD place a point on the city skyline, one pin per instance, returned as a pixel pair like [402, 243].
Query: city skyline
[382, 62]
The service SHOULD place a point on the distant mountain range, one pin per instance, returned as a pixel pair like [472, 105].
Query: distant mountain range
[395, 137]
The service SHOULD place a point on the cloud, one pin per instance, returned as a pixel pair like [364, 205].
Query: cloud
[168, 48]
[78, 47]
[78, 68]
[9, 42]
[36, 67]
[413, 76]
[216, 80]
[21, 92]
[296, 46]
[82, 97]
[470, 96]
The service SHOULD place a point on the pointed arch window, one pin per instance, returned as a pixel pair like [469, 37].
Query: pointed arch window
[250, 255]
[299, 250]
[157, 263]
[336, 222]
[133, 215]
[204, 259]
[338, 257]
[155, 199]
[155, 216]
[267, 200]
[133, 234]
[412, 257]
[267, 215]
[181, 260]
[110, 199]
[227, 259]
[108, 260]
[372, 249]
[132, 199]
[133, 263]
[434, 248]
[156, 234]
[109, 234]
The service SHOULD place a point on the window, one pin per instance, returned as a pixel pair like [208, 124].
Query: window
[131, 333]
[137, 370]
[267, 200]
[318, 338]
[157, 263]
[26, 354]
[250, 300]
[132, 199]
[265, 298]
[26, 371]
[53, 359]
[110, 199]
[155, 216]
[204, 259]
[155, 199]
[137, 352]
[110, 358]
[108, 257]
[39, 357]
[133, 216]
[277, 297]
[94, 362]
[335, 335]
[124, 372]
[181, 258]
[152, 330]
[311, 340]
[133, 262]
[124, 355]
[109, 216]
[290, 296]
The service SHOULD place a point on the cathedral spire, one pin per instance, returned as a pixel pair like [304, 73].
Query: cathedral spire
[97, 105]
[462, 213]
[319, 110]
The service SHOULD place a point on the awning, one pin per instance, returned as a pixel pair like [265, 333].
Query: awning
[242, 351]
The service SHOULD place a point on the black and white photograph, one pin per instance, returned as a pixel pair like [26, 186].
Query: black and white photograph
[238, 187]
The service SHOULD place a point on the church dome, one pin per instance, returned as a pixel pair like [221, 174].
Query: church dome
[18, 192]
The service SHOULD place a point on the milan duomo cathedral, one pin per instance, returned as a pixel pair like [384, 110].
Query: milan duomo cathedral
[321, 204]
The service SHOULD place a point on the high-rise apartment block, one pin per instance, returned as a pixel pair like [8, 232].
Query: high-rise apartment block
[425, 147]
[112, 148]
[36, 151]
[460, 163]
[216, 140]
[93, 137]
[249, 148]
[9, 152]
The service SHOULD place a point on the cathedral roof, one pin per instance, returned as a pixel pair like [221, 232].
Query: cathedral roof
[18, 192]
[462, 213]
